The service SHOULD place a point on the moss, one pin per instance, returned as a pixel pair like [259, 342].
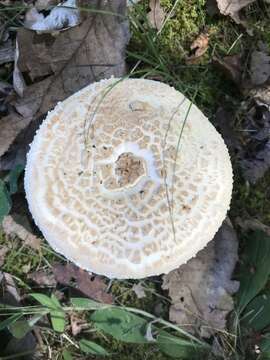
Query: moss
[20, 259]
[187, 21]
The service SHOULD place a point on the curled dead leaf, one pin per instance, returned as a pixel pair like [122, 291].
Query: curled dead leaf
[261, 95]
[198, 48]
[156, 16]
[11, 228]
[77, 324]
[233, 7]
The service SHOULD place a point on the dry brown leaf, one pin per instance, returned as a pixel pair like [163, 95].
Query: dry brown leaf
[233, 7]
[8, 285]
[58, 18]
[259, 67]
[139, 290]
[72, 59]
[90, 285]
[156, 15]
[55, 67]
[11, 126]
[77, 324]
[252, 224]
[224, 121]
[7, 52]
[45, 4]
[231, 66]
[42, 278]
[3, 251]
[198, 48]
[201, 289]
[255, 157]
[11, 228]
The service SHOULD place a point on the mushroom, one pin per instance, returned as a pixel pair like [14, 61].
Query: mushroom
[127, 178]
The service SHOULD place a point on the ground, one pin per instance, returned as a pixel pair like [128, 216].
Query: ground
[164, 57]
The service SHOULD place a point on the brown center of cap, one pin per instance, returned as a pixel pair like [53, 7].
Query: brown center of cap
[129, 168]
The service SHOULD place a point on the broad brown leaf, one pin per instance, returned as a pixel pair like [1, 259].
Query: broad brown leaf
[11, 228]
[90, 285]
[156, 15]
[55, 67]
[201, 290]
[11, 126]
[198, 48]
[60, 65]
[233, 7]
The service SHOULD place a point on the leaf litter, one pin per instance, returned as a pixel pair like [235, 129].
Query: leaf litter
[198, 48]
[51, 71]
[12, 228]
[63, 16]
[92, 286]
[156, 15]
[251, 141]
[233, 8]
[205, 313]
[201, 290]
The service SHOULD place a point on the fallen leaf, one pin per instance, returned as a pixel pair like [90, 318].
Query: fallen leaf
[156, 15]
[233, 7]
[50, 68]
[90, 285]
[42, 278]
[198, 48]
[11, 228]
[139, 290]
[19, 83]
[62, 16]
[8, 285]
[224, 123]
[255, 158]
[252, 224]
[45, 4]
[11, 126]
[7, 52]
[261, 95]
[77, 324]
[3, 251]
[201, 290]
[94, 51]
[231, 66]
[259, 67]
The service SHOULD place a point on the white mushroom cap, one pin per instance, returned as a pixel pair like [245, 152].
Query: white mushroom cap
[113, 189]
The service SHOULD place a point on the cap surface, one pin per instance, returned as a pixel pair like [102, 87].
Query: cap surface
[128, 179]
